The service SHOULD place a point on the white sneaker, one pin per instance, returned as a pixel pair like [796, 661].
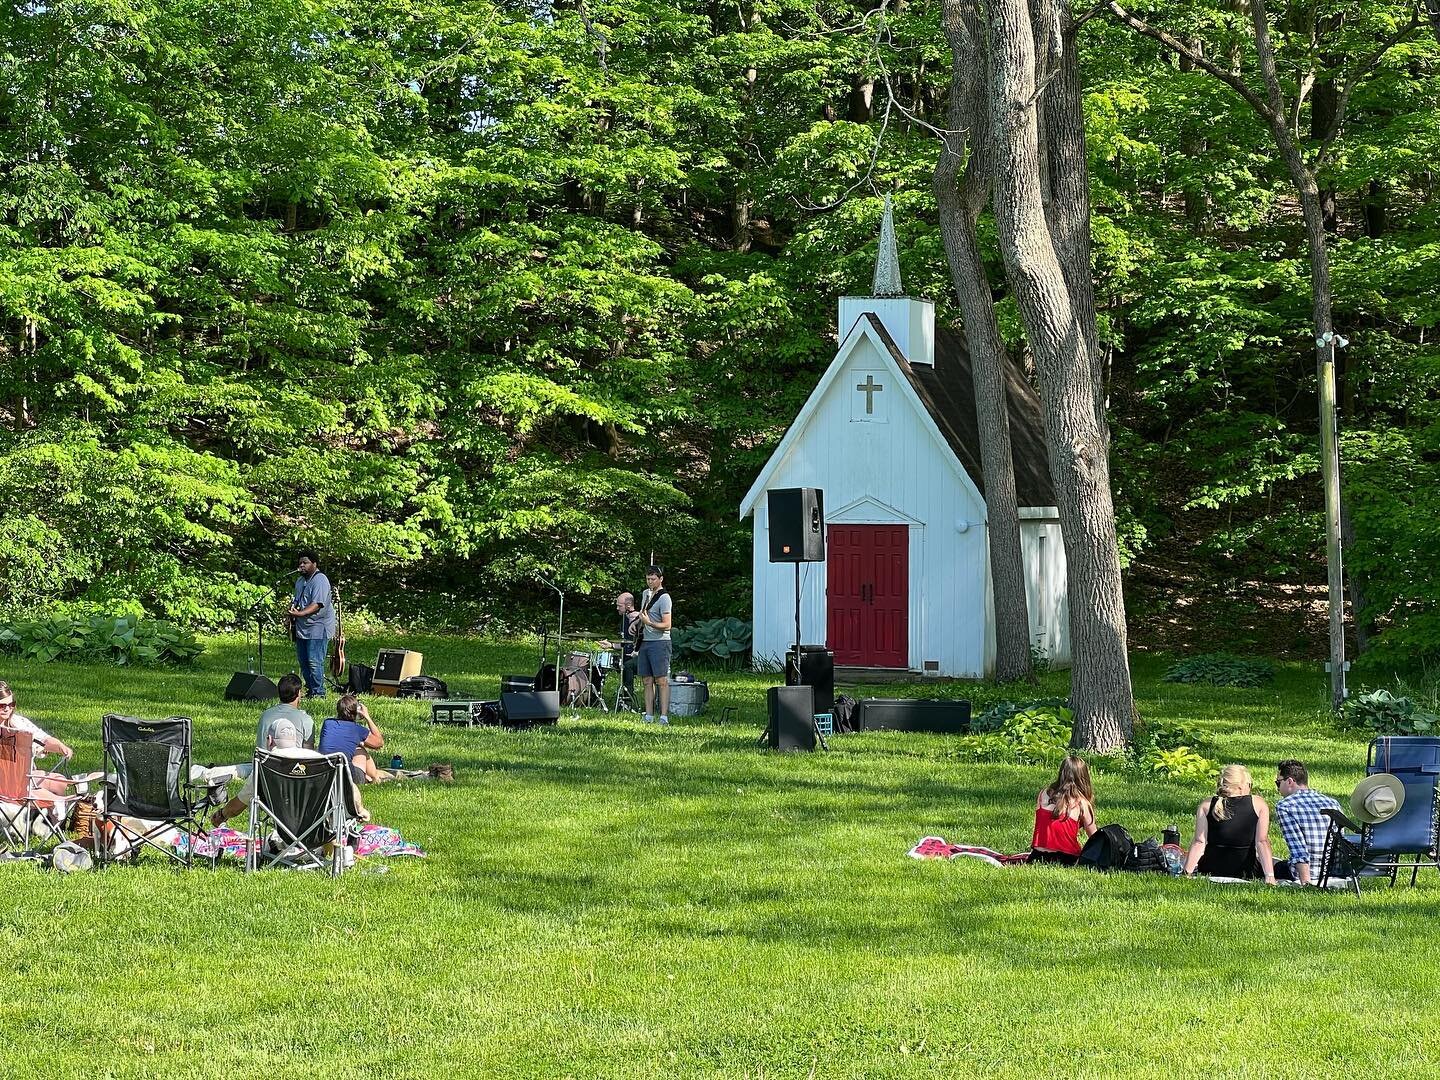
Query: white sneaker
[663, 720]
[646, 718]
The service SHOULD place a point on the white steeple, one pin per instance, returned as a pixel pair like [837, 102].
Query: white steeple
[910, 322]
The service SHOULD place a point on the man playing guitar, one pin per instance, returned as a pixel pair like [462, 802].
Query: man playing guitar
[312, 620]
[652, 659]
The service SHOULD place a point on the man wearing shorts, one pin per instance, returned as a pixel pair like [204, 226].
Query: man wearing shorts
[653, 661]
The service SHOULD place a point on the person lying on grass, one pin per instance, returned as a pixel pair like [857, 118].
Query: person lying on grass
[41, 742]
[351, 732]
[1232, 831]
[1062, 811]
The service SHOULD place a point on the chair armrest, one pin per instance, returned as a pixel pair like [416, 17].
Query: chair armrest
[1339, 820]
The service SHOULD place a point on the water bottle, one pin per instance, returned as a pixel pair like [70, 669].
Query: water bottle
[397, 762]
[1172, 835]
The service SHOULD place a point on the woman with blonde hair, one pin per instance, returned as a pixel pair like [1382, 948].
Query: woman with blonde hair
[1232, 831]
[1062, 811]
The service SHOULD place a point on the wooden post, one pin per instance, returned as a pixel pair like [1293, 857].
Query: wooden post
[1334, 555]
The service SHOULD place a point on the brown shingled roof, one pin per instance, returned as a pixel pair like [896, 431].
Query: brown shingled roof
[946, 390]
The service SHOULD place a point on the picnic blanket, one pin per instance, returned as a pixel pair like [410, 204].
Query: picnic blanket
[377, 840]
[936, 847]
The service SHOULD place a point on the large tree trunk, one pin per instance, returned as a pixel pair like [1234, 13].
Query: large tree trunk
[1101, 693]
[960, 199]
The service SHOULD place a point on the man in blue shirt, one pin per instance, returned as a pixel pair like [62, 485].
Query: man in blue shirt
[1301, 822]
[312, 617]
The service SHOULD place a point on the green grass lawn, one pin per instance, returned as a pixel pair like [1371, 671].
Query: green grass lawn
[608, 899]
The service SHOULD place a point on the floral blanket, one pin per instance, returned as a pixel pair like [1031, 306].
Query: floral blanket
[228, 843]
[935, 847]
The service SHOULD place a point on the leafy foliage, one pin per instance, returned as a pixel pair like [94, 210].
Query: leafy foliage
[124, 639]
[1221, 669]
[726, 640]
[1385, 713]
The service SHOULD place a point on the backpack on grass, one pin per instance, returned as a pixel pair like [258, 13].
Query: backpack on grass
[1109, 849]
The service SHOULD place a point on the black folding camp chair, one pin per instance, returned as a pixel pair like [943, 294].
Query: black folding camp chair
[1408, 841]
[148, 788]
[310, 803]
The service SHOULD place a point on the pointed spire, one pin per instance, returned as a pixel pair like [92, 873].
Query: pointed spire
[887, 262]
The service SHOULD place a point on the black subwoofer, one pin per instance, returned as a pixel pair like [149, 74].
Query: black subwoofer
[796, 522]
[523, 709]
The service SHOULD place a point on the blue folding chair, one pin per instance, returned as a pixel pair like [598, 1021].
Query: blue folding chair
[1413, 834]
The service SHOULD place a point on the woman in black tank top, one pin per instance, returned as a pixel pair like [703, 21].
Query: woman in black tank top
[1232, 831]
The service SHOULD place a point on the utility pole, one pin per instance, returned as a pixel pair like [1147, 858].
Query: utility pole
[1334, 555]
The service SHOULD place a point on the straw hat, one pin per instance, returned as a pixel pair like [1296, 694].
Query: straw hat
[1377, 798]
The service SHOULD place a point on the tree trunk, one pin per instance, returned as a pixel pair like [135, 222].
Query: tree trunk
[960, 200]
[1101, 693]
[1192, 143]
[1323, 101]
[1069, 181]
[1375, 204]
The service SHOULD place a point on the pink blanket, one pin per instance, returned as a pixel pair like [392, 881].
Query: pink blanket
[227, 843]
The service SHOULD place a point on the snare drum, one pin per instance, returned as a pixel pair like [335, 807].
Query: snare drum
[603, 661]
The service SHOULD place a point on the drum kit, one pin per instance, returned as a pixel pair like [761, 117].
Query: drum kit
[583, 679]
[585, 676]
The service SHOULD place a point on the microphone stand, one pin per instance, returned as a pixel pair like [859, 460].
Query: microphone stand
[560, 632]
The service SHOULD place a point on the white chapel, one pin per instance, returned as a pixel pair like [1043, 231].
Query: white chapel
[890, 435]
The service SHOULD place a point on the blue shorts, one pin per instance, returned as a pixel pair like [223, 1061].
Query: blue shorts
[653, 659]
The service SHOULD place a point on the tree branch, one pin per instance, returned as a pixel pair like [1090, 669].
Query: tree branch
[1363, 71]
[1175, 45]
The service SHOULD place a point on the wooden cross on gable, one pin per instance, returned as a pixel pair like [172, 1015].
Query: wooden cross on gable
[869, 388]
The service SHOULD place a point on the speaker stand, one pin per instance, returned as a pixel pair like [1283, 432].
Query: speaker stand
[799, 678]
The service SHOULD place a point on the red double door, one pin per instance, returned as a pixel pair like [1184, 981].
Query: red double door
[868, 595]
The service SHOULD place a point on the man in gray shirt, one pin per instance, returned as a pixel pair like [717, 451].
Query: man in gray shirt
[652, 662]
[312, 614]
[289, 710]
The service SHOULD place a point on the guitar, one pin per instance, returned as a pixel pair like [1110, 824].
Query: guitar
[638, 633]
[337, 658]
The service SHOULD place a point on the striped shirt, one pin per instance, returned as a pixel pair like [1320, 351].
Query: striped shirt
[1302, 824]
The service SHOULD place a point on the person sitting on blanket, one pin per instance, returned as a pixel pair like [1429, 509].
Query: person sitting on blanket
[291, 686]
[1062, 811]
[283, 740]
[41, 744]
[351, 732]
[1232, 831]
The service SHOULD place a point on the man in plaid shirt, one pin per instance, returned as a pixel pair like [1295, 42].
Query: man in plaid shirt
[1301, 822]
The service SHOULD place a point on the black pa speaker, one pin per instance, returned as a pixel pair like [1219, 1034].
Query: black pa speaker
[797, 525]
[247, 686]
[942, 717]
[816, 669]
[537, 707]
[792, 718]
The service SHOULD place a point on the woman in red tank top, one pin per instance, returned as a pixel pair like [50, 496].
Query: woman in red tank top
[1062, 811]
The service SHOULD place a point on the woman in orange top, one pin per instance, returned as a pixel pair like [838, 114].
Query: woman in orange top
[1062, 811]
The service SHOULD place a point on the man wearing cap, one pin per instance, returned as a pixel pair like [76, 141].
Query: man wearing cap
[1301, 822]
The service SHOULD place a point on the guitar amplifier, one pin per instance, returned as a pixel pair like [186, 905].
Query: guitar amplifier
[394, 666]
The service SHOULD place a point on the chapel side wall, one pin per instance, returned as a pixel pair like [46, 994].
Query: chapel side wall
[901, 466]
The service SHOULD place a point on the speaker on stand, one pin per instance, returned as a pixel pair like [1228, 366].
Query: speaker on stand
[796, 524]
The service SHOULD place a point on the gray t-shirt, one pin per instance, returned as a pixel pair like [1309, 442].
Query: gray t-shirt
[303, 721]
[656, 611]
[315, 590]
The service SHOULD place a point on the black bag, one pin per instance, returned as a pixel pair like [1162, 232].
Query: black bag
[1147, 858]
[842, 715]
[423, 687]
[360, 679]
[1108, 849]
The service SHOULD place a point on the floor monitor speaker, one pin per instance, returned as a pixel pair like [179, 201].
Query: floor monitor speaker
[248, 686]
[536, 707]
[913, 714]
[792, 718]
[796, 521]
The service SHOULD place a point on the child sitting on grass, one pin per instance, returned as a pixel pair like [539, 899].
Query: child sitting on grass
[1062, 811]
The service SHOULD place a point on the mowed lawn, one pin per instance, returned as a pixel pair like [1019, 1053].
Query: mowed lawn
[607, 899]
